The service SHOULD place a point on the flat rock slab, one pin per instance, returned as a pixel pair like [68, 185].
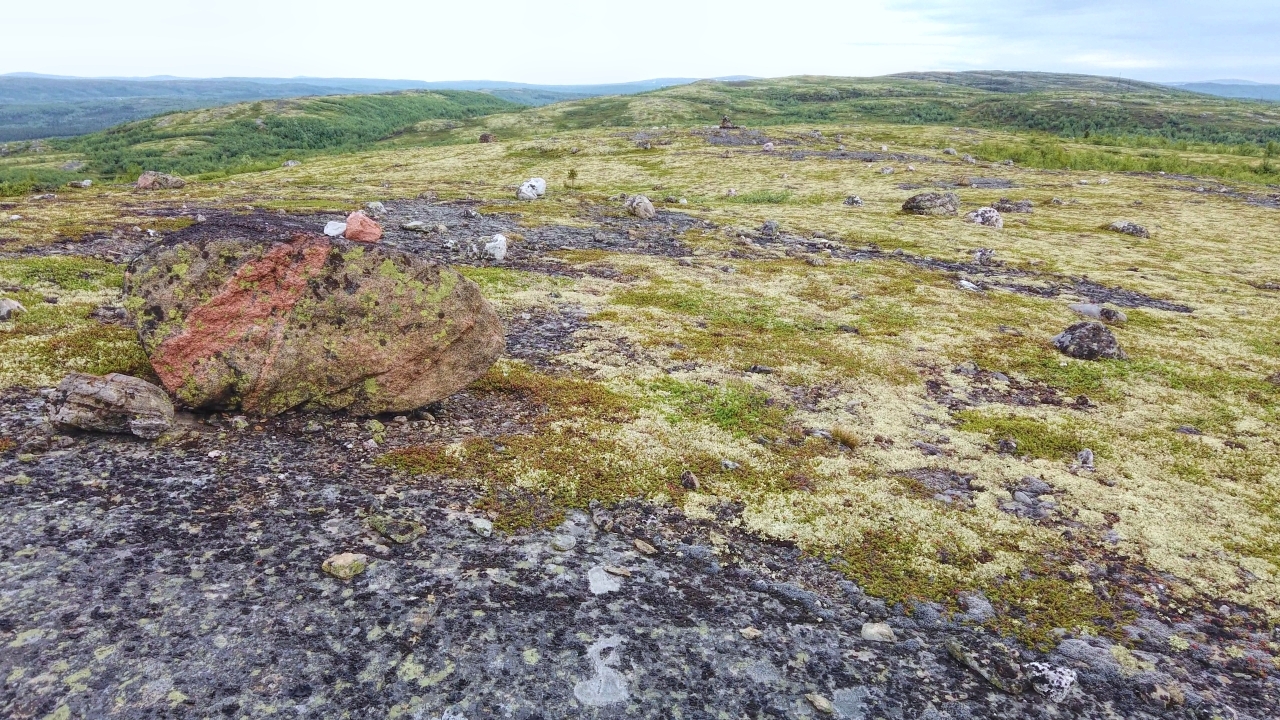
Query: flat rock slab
[267, 317]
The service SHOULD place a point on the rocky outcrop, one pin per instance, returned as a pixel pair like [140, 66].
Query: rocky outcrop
[271, 324]
[932, 204]
[112, 403]
[1089, 341]
[152, 180]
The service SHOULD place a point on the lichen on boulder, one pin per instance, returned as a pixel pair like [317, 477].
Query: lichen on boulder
[287, 318]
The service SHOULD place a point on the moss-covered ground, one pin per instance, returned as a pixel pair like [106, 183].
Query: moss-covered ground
[1186, 486]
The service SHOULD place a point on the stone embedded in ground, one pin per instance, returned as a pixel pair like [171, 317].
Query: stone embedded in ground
[990, 217]
[1129, 227]
[768, 147]
[1052, 681]
[362, 228]
[878, 632]
[268, 326]
[563, 543]
[600, 581]
[1005, 205]
[1089, 341]
[112, 403]
[820, 703]
[853, 201]
[994, 661]
[769, 229]
[949, 151]
[398, 530]
[345, 566]
[1099, 312]
[932, 203]
[9, 306]
[152, 180]
[640, 206]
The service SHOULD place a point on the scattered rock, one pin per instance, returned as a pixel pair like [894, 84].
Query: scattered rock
[375, 207]
[538, 184]
[886, 170]
[9, 306]
[878, 632]
[689, 481]
[769, 229]
[362, 228]
[526, 191]
[994, 661]
[853, 201]
[1057, 201]
[268, 326]
[496, 248]
[345, 566]
[1052, 681]
[984, 256]
[949, 151]
[969, 159]
[640, 206]
[151, 180]
[644, 547]
[1005, 205]
[1084, 459]
[291, 163]
[820, 703]
[726, 123]
[112, 403]
[1089, 341]
[971, 287]
[760, 370]
[730, 465]
[1099, 312]
[1129, 227]
[750, 633]
[976, 606]
[82, 184]
[482, 526]
[335, 228]
[768, 147]
[987, 216]
[607, 686]
[932, 204]
[487, 137]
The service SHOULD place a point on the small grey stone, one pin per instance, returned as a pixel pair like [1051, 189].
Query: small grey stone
[878, 632]
[482, 527]
[564, 543]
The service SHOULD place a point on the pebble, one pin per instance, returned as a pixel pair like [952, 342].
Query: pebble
[644, 547]
[820, 703]
[750, 633]
[345, 566]
[482, 527]
[878, 632]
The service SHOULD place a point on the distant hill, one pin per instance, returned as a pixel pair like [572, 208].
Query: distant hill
[1233, 89]
[41, 106]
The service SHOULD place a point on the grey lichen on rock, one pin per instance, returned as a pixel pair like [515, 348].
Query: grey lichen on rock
[112, 403]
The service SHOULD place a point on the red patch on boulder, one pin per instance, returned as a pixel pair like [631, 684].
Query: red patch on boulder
[362, 228]
[254, 305]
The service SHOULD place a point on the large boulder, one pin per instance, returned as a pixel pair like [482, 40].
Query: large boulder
[152, 180]
[361, 228]
[112, 403]
[641, 207]
[1089, 341]
[931, 203]
[286, 318]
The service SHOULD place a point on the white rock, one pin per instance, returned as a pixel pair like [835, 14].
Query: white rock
[335, 228]
[415, 225]
[607, 686]
[602, 581]
[527, 192]
[496, 248]
[8, 307]
[966, 285]
[539, 186]
[878, 632]
[988, 216]
[768, 147]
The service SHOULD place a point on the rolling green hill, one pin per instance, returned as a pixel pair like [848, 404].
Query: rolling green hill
[1091, 113]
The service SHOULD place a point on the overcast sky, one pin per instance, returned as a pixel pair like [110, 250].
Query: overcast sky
[601, 41]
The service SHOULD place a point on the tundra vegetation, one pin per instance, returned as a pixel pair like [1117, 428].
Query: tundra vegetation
[822, 385]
